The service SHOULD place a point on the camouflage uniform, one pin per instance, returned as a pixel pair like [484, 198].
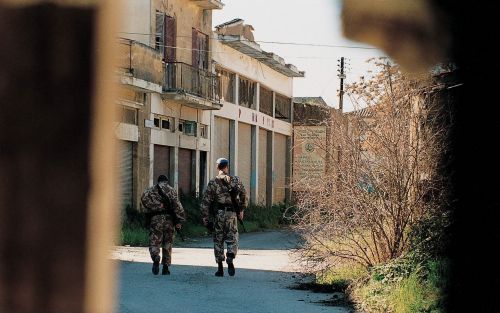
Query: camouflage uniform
[161, 229]
[223, 216]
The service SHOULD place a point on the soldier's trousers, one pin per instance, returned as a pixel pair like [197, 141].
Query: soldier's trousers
[161, 232]
[225, 229]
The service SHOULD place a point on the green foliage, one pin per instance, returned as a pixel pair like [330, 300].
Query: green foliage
[134, 236]
[403, 286]
[134, 230]
[341, 277]
[429, 237]
[266, 217]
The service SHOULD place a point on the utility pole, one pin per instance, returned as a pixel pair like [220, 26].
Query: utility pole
[342, 76]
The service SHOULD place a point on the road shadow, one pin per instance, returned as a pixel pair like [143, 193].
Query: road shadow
[194, 289]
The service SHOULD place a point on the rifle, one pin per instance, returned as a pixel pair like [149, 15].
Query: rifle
[168, 207]
[233, 192]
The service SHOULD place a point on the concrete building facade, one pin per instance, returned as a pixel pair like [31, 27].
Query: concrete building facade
[167, 93]
[253, 128]
[187, 97]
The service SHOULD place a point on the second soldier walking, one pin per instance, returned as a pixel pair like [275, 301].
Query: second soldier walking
[164, 212]
[219, 208]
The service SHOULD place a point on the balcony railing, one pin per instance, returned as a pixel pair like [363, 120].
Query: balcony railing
[140, 61]
[184, 78]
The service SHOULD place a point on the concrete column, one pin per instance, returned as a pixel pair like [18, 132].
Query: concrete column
[196, 168]
[254, 179]
[211, 158]
[174, 167]
[270, 169]
[236, 89]
[288, 170]
[233, 147]
[274, 104]
[152, 179]
[257, 98]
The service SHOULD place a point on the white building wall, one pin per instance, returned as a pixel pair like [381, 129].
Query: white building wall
[251, 68]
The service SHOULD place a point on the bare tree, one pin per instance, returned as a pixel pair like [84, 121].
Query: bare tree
[382, 166]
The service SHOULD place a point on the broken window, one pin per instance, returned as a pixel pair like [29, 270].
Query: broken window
[200, 50]
[283, 107]
[226, 85]
[266, 101]
[165, 36]
[247, 93]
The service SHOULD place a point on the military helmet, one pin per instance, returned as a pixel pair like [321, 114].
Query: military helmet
[222, 161]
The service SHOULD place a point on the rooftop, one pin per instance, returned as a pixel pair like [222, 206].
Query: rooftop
[239, 36]
[316, 101]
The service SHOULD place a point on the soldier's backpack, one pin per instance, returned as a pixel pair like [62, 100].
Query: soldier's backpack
[151, 200]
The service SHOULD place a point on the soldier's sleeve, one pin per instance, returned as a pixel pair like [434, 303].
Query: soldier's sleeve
[243, 195]
[208, 199]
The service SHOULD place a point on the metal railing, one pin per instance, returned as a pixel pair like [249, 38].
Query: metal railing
[182, 77]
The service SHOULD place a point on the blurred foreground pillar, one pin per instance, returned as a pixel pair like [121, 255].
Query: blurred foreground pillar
[57, 217]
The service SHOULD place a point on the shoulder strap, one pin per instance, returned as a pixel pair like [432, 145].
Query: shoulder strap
[163, 196]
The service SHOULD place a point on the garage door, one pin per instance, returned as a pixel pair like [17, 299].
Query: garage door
[125, 170]
[221, 140]
[262, 165]
[186, 171]
[161, 164]
[245, 155]
[279, 167]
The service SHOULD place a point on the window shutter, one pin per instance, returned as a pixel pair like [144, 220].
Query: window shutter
[195, 52]
[160, 32]
[170, 39]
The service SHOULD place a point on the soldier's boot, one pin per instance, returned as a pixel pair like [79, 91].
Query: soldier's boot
[230, 265]
[164, 270]
[230, 269]
[156, 266]
[220, 270]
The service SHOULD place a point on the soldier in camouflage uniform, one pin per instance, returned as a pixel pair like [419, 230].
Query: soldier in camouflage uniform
[161, 221]
[217, 207]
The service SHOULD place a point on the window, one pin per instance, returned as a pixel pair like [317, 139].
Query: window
[266, 101]
[282, 108]
[127, 115]
[165, 124]
[247, 93]
[189, 128]
[200, 49]
[203, 131]
[165, 36]
[226, 85]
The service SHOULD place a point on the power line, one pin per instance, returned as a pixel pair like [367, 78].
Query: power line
[278, 42]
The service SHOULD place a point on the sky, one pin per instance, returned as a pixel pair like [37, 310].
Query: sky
[305, 22]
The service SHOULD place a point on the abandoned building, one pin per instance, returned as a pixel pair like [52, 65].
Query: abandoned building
[189, 95]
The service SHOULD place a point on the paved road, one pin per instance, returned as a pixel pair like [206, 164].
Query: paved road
[264, 273]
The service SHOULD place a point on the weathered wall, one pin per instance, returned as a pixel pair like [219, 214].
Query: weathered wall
[221, 140]
[251, 68]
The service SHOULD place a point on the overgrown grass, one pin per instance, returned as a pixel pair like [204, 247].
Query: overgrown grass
[135, 233]
[341, 277]
[420, 291]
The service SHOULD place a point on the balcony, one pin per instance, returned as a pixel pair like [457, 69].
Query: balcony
[191, 86]
[209, 4]
[140, 66]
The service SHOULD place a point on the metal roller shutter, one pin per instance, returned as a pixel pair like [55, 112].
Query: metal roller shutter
[125, 170]
[245, 154]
